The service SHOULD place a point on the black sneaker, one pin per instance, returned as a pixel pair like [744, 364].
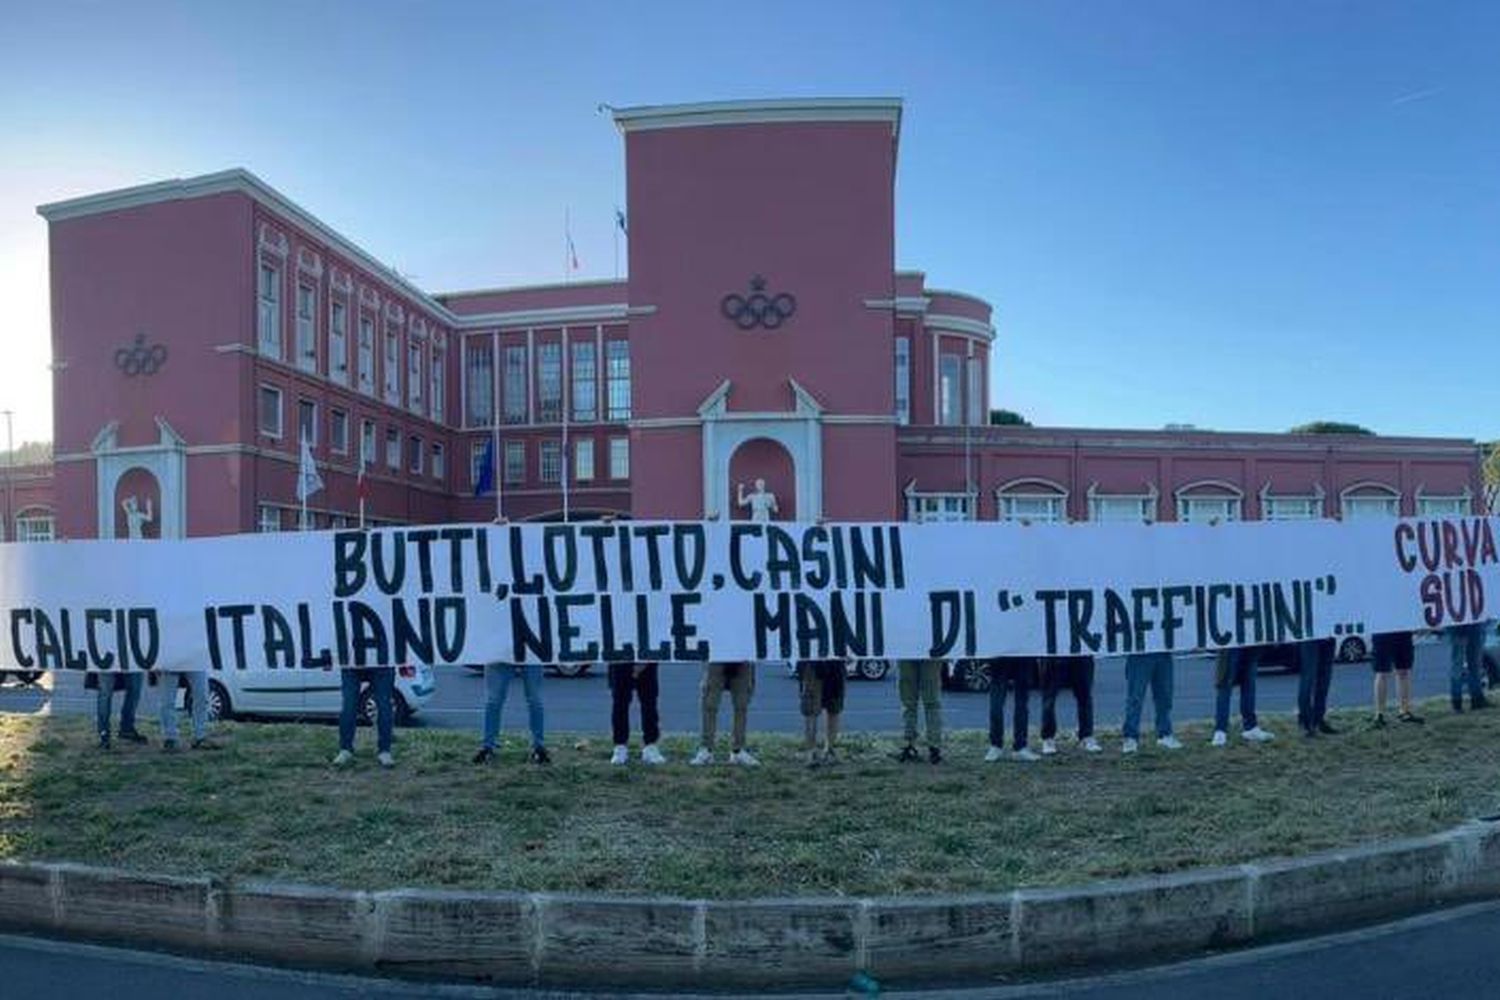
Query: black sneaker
[1479, 704]
[934, 755]
[103, 741]
[204, 743]
[539, 755]
[908, 755]
[1415, 720]
[168, 746]
[1378, 722]
[484, 756]
[132, 736]
[1309, 732]
[1458, 706]
[1326, 729]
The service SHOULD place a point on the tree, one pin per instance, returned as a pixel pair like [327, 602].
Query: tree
[1329, 427]
[1008, 418]
[29, 453]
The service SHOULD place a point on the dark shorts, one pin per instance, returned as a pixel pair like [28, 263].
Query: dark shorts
[1393, 651]
[822, 684]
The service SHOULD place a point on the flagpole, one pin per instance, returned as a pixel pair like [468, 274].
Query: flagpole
[567, 246]
[495, 425]
[567, 395]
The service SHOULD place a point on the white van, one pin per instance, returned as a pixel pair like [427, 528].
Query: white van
[309, 693]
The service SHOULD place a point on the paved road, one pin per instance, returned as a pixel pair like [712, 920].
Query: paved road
[582, 704]
[1449, 954]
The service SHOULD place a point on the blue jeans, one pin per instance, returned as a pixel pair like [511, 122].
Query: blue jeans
[1144, 670]
[1236, 669]
[382, 681]
[1466, 645]
[1009, 673]
[497, 686]
[1315, 673]
[104, 701]
[166, 703]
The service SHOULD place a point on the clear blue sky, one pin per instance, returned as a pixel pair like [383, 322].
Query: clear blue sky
[1237, 215]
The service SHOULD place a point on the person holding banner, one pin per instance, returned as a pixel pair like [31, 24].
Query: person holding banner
[821, 685]
[1393, 652]
[1235, 668]
[1153, 670]
[497, 678]
[1075, 673]
[1466, 647]
[196, 682]
[381, 682]
[107, 684]
[739, 678]
[1315, 662]
[1010, 673]
[921, 681]
[639, 680]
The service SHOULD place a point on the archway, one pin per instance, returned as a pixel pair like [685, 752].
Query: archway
[762, 458]
[140, 486]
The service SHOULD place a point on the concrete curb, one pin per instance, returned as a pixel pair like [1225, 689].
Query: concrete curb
[652, 943]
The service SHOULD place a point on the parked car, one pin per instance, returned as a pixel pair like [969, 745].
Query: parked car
[856, 670]
[309, 694]
[22, 677]
[966, 675]
[560, 669]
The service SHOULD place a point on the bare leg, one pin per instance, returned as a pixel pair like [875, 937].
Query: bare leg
[833, 731]
[1403, 689]
[1380, 694]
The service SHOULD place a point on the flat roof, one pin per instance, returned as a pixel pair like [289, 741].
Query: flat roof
[813, 109]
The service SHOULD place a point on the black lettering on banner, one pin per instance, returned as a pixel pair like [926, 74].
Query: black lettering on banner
[898, 562]
[72, 659]
[101, 660]
[451, 625]
[772, 616]
[610, 651]
[210, 635]
[389, 579]
[145, 638]
[1080, 615]
[1247, 615]
[783, 568]
[1286, 619]
[482, 557]
[520, 583]
[1171, 622]
[627, 570]
[951, 614]
[411, 640]
[868, 561]
[817, 574]
[684, 632]
[423, 539]
[1117, 636]
[455, 538]
[17, 616]
[279, 648]
[812, 629]
[1144, 625]
[562, 568]
[737, 534]
[48, 646]
[341, 631]
[310, 661]
[370, 647]
[1218, 592]
[652, 534]
[597, 534]
[567, 631]
[237, 613]
[643, 644]
[689, 553]
[348, 562]
[1050, 600]
[853, 634]
[528, 643]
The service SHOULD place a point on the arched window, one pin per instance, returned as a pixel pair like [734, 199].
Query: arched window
[1122, 507]
[1369, 500]
[1032, 500]
[1444, 504]
[1210, 500]
[35, 524]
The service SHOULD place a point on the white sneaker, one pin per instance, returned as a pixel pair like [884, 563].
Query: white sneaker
[1220, 738]
[993, 754]
[620, 757]
[1169, 742]
[1049, 747]
[386, 760]
[1091, 745]
[343, 759]
[1257, 735]
[744, 758]
[703, 756]
[1025, 755]
[651, 755]
[1130, 746]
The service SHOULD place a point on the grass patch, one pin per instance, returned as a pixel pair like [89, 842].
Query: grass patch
[268, 805]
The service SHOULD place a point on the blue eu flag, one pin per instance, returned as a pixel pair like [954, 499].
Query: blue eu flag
[485, 482]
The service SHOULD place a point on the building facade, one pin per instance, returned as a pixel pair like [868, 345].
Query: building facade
[202, 328]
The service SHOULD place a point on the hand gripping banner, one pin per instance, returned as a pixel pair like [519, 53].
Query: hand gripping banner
[685, 591]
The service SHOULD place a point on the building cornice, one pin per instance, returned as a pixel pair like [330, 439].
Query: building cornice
[959, 324]
[821, 109]
[1126, 440]
[543, 287]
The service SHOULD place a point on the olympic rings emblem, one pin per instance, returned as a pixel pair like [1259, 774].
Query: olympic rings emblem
[138, 359]
[758, 308]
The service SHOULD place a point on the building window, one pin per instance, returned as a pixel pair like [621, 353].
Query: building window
[479, 383]
[338, 431]
[414, 455]
[307, 422]
[270, 310]
[1370, 502]
[549, 382]
[392, 365]
[1454, 506]
[1122, 509]
[35, 528]
[269, 411]
[515, 461]
[950, 390]
[585, 382]
[366, 355]
[414, 378]
[307, 308]
[393, 448]
[338, 343]
[476, 462]
[1202, 509]
[583, 459]
[367, 443]
[938, 507]
[1032, 501]
[976, 391]
[619, 458]
[439, 376]
[516, 404]
[617, 357]
[439, 462]
[551, 462]
[1291, 508]
[268, 518]
[903, 380]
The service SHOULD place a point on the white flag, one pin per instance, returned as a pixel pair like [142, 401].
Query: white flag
[308, 480]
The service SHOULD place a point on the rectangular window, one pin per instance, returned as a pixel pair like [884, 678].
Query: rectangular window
[479, 382]
[393, 448]
[338, 343]
[35, 528]
[270, 310]
[950, 391]
[1374, 506]
[476, 463]
[1031, 507]
[1122, 509]
[1201, 510]
[366, 355]
[392, 365]
[583, 459]
[414, 455]
[585, 382]
[551, 460]
[439, 462]
[307, 422]
[549, 382]
[437, 398]
[1442, 506]
[617, 359]
[307, 346]
[619, 458]
[268, 411]
[976, 396]
[903, 380]
[414, 378]
[940, 507]
[516, 405]
[268, 518]
[515, 461]
[338, 432]
[367, 443]
[1291, 508]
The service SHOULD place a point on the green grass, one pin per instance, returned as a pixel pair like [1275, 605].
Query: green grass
[268, 805]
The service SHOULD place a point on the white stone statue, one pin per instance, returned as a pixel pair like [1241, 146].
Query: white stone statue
[135, 518]
[761, 501]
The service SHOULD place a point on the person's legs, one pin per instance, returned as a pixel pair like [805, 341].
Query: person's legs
[740, 692]
[1327, 651]
[496, 689]
[1225, 664]
[648, 693]
[907, 682]
[835, 686]
[166, 706]
[104, 705]
[1161, 693]
[710, 692]
[1052, 681]
[930, 689]
[1000, 671]
[810, 701]
[1475, 653]
[1403, 691]
[1405, 656]
[536, 713]
[1021, 713]
[134, 684]
[1307, 682]
[1081, 676]
[1137, 676]
[383, 690]
[1383, 662]
[197, 682]
[1458, 666]
[1247, 680]
[621, 683]
[349, 683]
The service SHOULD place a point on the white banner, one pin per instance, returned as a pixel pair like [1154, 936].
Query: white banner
[741, 591]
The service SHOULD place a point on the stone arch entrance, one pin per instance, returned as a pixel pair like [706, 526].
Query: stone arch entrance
[138, 488]
[762, 458]
[158, 470]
